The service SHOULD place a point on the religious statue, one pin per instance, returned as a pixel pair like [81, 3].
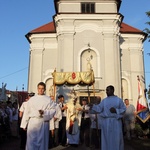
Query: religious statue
[89, 65]
[51, 90]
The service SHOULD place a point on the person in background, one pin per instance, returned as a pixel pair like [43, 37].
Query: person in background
[23, 133]
[95, 128]
[111, 109]
[9, 112]
[85, 123]
[129, 120]
[40, 109]
[62, 122]
[4, 121]
[54, 126]
[57, 119]
[15, 116]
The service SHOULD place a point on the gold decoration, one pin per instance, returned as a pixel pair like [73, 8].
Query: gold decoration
[60, 78]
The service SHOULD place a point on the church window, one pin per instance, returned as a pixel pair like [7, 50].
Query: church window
[88, 7]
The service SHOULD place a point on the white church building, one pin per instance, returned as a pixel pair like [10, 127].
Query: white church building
[85, 31]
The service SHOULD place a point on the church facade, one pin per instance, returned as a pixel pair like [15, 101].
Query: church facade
[82, 33]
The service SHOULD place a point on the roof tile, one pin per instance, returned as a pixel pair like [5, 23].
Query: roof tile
[47, 28]
[125, 28]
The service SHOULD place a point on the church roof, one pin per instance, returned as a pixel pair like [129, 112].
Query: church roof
[50, 28]
[125, 28]
[47, 28]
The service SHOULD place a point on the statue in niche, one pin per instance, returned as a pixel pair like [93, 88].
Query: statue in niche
[51, 90]
[89, 66]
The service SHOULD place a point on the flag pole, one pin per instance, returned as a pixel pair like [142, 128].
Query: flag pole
[142, 111]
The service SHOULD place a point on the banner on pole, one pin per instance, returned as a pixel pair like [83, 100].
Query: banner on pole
[143, 112]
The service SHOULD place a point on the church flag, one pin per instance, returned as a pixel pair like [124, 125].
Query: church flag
[142, 110]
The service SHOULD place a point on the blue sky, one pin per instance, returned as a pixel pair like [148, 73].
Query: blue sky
[18, 17]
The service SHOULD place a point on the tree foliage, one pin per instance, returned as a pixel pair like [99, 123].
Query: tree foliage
[147, 30]
[148, 92]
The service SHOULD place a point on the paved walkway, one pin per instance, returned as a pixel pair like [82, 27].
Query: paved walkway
[135, 144]
[83, 147]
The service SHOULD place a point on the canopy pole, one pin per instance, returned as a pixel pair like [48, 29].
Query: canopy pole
[96, 118]
[54, 91]
[88, 94]
[93, 90]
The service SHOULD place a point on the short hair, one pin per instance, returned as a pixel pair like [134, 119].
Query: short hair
[42, 84]
[60, 96]
[111, 87]
[126, 99]
[84, 99]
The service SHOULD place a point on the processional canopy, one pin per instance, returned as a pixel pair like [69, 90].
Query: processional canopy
[73, 78]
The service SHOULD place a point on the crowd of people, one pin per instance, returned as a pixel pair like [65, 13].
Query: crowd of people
[42, 122]
[9, 120]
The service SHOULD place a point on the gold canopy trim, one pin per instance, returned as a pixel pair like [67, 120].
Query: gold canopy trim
[60, 78]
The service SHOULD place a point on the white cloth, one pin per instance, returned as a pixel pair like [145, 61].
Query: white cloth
[58, 116]
[87, 114]
[111, 129]
[64, 112]
[51, 124]
[23, 106]
[37, 128]
[75, 116]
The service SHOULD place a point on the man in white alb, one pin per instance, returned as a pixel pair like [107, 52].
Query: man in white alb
[111, 110]
[40, 109]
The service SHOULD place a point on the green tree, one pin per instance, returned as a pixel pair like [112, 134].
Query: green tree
[147, 30]
[148, 92]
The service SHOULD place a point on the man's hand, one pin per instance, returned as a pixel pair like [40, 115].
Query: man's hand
[55, 119]
[41, 112]
[24, 129]
[112, 110]
[79, 109]
[65, 107]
